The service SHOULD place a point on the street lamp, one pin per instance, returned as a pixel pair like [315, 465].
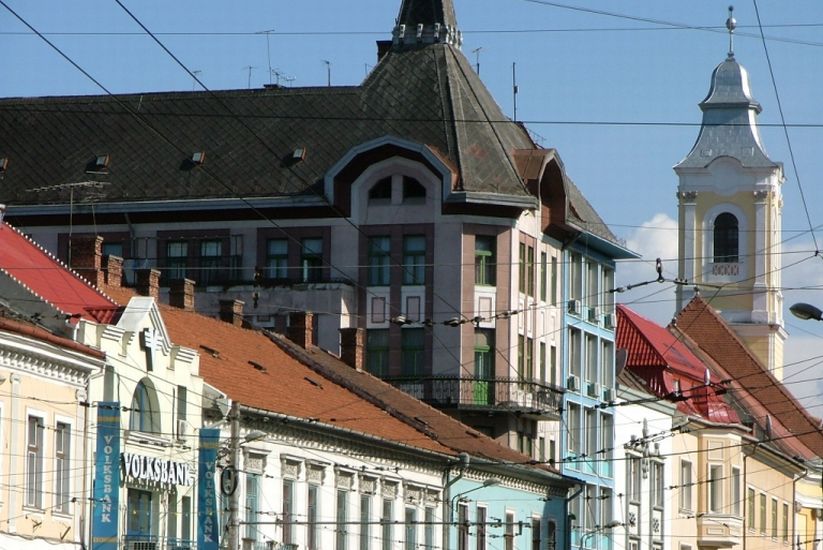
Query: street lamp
[597, 529]
[489, 482]
[806, 311]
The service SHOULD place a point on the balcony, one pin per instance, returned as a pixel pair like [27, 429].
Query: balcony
[152, 542]
[719, 530]
[502, 395]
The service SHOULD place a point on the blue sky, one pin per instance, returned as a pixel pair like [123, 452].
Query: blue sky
[613, 86]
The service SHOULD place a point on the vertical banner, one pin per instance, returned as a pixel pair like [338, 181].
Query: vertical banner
[106, 478]
[208, 533]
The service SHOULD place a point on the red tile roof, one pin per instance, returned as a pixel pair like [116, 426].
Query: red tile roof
[38, 333]
[754, 385]
[47, 278]
[662, 359]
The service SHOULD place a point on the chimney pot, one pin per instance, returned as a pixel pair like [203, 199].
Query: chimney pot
[86, 255]
[231, 311]
[148, 282]
[353, 347]
[301, 328]
[181, 294]
[114, 271]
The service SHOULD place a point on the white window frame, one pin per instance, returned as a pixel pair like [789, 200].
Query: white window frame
[34, 495]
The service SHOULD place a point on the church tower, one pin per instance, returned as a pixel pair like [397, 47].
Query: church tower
[729, 215]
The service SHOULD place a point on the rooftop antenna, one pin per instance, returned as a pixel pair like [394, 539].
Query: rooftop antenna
[514, 89]
[328, 71]
[731, 24]
[249, 68]
[476, 53]
[268, 48]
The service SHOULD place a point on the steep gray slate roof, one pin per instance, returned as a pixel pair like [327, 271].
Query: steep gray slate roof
[429, 95]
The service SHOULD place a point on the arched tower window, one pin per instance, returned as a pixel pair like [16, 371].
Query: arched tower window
[726, 238]
[145, 413]
[381, 190]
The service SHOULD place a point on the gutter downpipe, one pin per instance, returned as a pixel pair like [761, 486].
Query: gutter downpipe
[463, 464]
[568, 534]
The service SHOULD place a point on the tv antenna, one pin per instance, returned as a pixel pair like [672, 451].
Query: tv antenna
[328, 71]
[268, 48]
[249, 69]
[476, 53]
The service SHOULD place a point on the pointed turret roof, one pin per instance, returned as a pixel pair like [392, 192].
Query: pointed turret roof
[423, 22]
[729, 127]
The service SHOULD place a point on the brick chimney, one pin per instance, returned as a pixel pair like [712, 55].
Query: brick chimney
[148, 282]
[86, 257]
[114, 271]
[353, 347]
[301, 328]
[181, 294]
[231, 311]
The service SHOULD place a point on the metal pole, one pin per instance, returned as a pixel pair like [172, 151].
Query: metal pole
[234, 498]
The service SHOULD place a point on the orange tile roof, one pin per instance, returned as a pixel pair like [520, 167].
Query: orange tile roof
[31, 266]
[753, 385]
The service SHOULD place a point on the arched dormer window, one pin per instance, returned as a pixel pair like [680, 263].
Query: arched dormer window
[413, 189]
[381, 190]
[145, 413]
[726, 239]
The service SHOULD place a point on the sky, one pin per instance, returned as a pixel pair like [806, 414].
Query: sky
[613, 86]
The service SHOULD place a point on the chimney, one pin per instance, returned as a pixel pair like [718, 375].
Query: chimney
[86, 258]
[181, 294]
[352, 347]
[231, 311]
[2, 212]
[148, 283]
[114, 271]
[383, 47]
[301, 328]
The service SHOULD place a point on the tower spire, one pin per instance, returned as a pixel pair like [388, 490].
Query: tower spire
[731, 24]
[422, 22]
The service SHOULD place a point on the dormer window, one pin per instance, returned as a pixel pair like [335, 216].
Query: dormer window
[412, 189]
[381, 191]
[726, 239]
[99, 164]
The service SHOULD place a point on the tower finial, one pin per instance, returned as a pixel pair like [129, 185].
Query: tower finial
[731, 24]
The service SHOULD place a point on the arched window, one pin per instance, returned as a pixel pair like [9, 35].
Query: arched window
[726, 238]
[381, 190]
[145, 414]
[413, 189]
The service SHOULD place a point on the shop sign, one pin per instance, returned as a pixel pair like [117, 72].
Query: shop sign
[208, 533]
[156, 470]
[106, 481]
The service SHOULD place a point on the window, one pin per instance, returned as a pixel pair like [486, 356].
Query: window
[763, 513]
[311, 260]
[387, 520]
[62, 467]
[288, 510]
[412, 351]
[542, 360]
[185, 519]
[428, 529]
[575, 362]
[725, 238]
[34, 462]
[606, 443]
[785, 523]
[554, 281]
[575, 277]
[591, 283]
[774, 518]
[377, 351]
[521, 356]
[633, 479]
[508, 534]
[365, 516]
[591, 360]
[211, 253]
[182, 401]
[750, 512]
[252, 506]
[530, 271]
[715, 488]
[177, 259]
[606, 503]
[536, 534]
[379, 261]
[657, 483]
[685, 485]
[412, 189]
[544, 264]
[522, 268]
[462, 526]
[606, 364]
[414, 260]
[590, 430]
[381, 190]
[553, 365]
[342, 517]
[139, 512]
[312, 504]
[484, 266]
[606, 288]
[574, 430]
[411, 528]
[145, 416]
[171, 519]
[482, 518]
[483, 354]
[737, 496]
[551, 535]
[277, 258]
[529, 373]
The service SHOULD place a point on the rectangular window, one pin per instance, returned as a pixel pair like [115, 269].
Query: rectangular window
[633, 475]
[311, 260]
[607, 297]
[340, 529]
[182, 401]
[750, 512]
[591, 286]
[575, 361]
[312, 526]
[277, 259]
[62, 467]
[288, 510]
[377, 352]
[34, 463]
[685, 485]
[574, 430]
[412, 341]
[543, 365]
[484, 264]
[462, 526]
[715, 488]
[185, 519]
[139, 512]
[785, 523]
[508, 534]
[553, 365]
[414, 260]
[379, 261]
[606, 444]
[763, 513]
[252, 506]
[177, 259]
[554, 281]
[521, 356]
[411, 529]
[575, 277]
[387, 520]
[605, 503]
[529, 373]
[365, 517]
[522, 268]
[483, 366]
[536, 534]
[737, 496]
[590, 430]
[211, 255]
[171, 520]
[774, 518]
[482, 518]
[544, 265]
[606, 364]
[428, 529]
[657, 483]
[530, 271]
[551, 535]
[591, 361]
